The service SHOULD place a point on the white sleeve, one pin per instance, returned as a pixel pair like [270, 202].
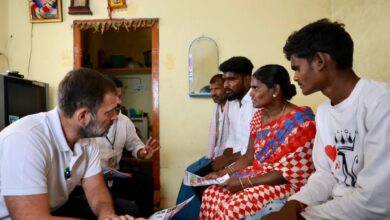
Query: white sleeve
[93, 166]
[133, 142]
[371, 197]
[24, 165]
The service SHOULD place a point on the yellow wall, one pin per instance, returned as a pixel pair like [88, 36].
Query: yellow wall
[3, 35]
[256, 29]
[368, 22]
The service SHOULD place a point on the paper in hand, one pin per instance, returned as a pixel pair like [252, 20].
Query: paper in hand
[191, 179]
[168, 213]
[115, 173]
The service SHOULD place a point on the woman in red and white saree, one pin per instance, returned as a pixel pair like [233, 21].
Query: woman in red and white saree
[278, 160]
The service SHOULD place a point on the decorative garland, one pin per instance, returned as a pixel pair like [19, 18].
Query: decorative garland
[41, 11]
[103, 25]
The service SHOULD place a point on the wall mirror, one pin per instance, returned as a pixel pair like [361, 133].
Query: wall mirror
[203, 63]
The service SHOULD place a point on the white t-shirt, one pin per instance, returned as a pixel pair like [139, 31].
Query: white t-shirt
[34, 155]
[240, 115]
[352, 157]
[122, 134]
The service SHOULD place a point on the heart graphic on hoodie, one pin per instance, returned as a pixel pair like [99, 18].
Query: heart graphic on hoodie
[331, 151]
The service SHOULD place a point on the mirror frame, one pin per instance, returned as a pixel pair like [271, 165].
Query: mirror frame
[191, 73]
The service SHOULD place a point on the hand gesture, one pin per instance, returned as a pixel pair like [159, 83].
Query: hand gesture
[151, 146]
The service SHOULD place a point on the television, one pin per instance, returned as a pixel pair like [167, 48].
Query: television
[20, 97]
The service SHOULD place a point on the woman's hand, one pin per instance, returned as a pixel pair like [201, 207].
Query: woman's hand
[233, 185]
[212, 175]
[216, 174]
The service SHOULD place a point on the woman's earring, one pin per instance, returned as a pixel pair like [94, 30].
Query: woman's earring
[274, 95]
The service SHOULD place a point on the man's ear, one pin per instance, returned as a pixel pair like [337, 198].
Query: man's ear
[247, 81]
[321, 60]
[82, 116]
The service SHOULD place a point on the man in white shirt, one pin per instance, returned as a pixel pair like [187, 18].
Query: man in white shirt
[237, 72]
[121, 136]
[351, 150]
[44, 156]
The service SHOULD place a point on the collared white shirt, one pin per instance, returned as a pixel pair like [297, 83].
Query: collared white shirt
[34, 155]
[240, 115]
[122, 134]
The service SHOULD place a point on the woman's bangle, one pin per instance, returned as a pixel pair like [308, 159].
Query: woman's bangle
[230, 168]
[249, 181]
[242, 185]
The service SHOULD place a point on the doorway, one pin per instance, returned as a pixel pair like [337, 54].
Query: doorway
[135, 63]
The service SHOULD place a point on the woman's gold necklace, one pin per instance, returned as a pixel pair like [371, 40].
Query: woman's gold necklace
[266, 120]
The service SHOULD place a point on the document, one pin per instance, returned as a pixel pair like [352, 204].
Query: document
[191, 179]
[109, 173]
[168, 213]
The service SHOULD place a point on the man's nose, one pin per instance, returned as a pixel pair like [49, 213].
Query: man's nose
[251, 93]
[295, 77]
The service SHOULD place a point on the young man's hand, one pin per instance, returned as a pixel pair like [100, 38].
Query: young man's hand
[219, 163]
[289, 211]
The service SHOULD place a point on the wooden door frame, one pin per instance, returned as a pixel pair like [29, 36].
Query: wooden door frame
[78, 62]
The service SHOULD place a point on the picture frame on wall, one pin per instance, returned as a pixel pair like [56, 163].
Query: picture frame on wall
[43, 11]
[79, 7]
[116, 4]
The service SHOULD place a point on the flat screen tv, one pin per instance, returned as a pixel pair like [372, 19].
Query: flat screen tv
[20, 97]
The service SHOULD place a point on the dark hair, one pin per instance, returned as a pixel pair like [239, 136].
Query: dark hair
[276, 74]
[83, 88]
[117, 82]
[321, 36]
[239, 65]
[215, 78]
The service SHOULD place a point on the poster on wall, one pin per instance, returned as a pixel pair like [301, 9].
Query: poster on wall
[42, 11]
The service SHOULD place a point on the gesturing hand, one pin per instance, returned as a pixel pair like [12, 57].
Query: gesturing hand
[152, 145]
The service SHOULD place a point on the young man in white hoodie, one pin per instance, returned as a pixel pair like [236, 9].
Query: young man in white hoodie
[351, 151]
